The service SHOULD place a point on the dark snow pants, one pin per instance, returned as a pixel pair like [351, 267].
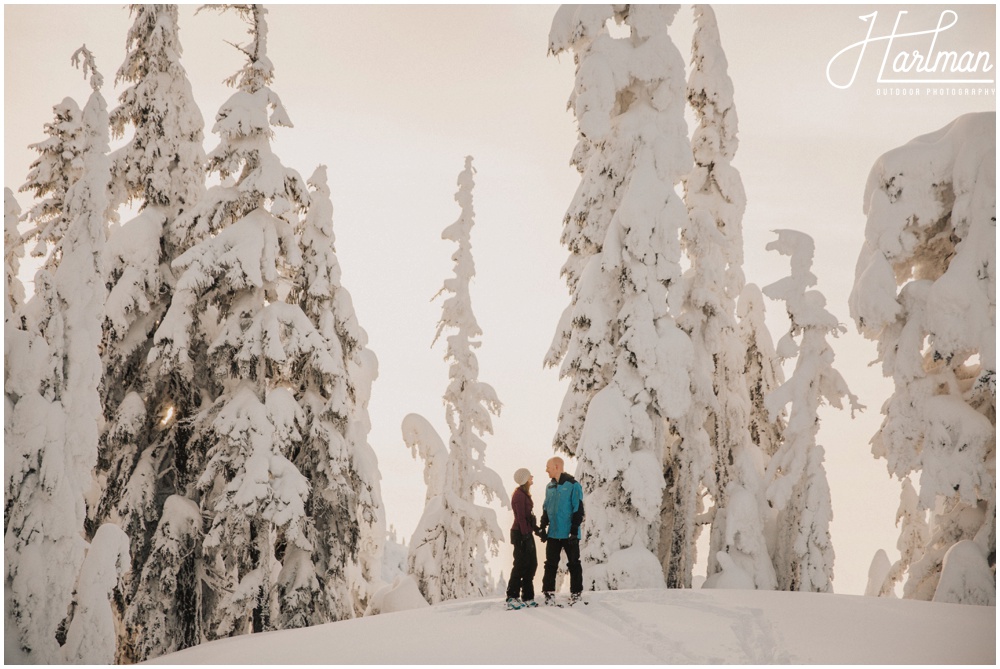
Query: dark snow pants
[522, 574]
[553, 548]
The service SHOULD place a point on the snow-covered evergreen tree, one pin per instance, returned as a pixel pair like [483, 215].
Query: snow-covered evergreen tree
[55, 374]
[721, 402]
[16, 340]
[627, 360]
[348, 520]
[78, 281]
[57, 167]
[393, 556]
[289, 481]
[580, 347]
[226, 313]
[448, 551]
[143, 455]
[43, 505]
[798, 487]
[925, 291]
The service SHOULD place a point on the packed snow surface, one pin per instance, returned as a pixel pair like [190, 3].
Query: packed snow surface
[637, 627]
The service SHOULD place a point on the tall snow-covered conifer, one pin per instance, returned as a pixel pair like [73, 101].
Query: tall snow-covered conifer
[79, 283]
[227, 310]
[580, 347]
[798, 486]
[144, 457]
[40, 490]
[721, 408]
[925, 291]
[348, 520]
[627, 360]
[448, 552]
[55, 426]
[288, 479]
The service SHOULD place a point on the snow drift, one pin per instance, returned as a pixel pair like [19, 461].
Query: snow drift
[636, 627]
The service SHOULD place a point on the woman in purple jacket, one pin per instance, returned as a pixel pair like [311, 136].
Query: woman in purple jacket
[521, 589]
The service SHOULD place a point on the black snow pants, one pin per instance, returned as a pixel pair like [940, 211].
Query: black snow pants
[553, 548]
[522, 575]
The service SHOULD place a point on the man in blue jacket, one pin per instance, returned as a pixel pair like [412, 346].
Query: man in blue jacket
[562, 515]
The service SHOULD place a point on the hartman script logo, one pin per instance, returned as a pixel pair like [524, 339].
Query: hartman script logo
[914, 57]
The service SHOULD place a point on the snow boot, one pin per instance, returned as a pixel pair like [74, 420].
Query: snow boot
[513, 604]
[550, 599]
[575, 598]
[530, 603]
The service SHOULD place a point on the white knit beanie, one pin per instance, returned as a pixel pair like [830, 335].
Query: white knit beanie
[521, 476]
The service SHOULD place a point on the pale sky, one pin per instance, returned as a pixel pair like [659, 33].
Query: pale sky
[392, 98]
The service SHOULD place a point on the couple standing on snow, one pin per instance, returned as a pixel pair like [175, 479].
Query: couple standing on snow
[562, 515]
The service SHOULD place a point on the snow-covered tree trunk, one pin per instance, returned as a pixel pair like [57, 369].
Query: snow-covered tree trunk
[925, 291]
[144, 456]
[798, 486]
[627, 360]
[448, 552]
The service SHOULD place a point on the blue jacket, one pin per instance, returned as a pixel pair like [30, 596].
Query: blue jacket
[562, 511]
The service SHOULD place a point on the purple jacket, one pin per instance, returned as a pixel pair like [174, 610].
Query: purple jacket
[522, 505]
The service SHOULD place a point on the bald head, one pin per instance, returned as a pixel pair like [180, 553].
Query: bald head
[554, 467]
